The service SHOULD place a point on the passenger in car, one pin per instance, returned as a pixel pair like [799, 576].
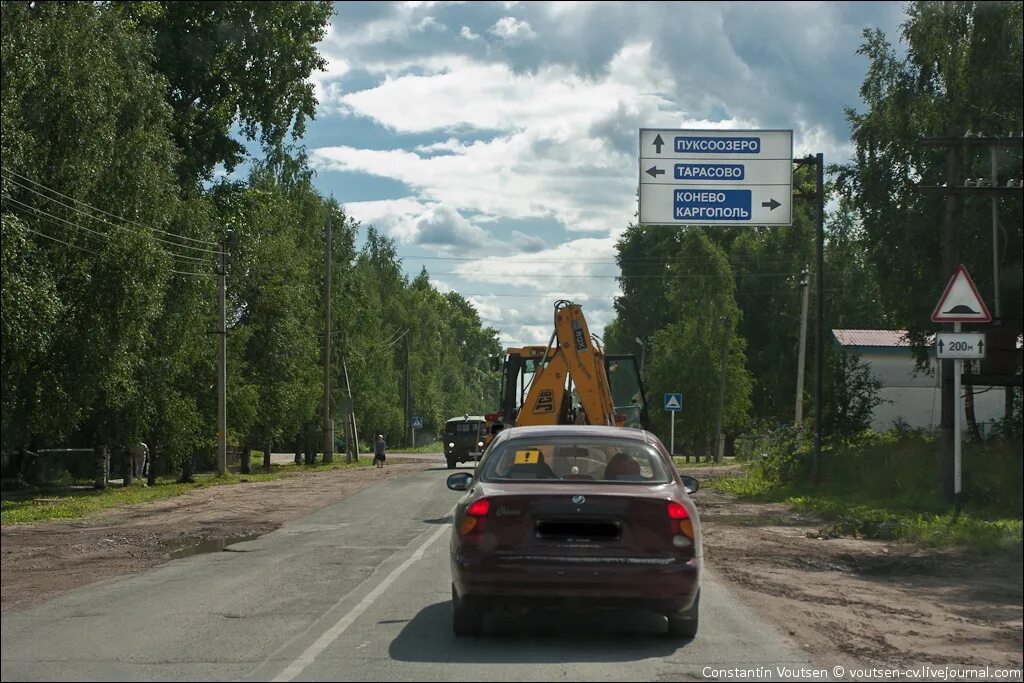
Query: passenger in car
[622, 467]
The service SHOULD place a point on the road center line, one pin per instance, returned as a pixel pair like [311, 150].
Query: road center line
[332, 634]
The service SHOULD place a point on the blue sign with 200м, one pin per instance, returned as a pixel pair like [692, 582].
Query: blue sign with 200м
[712, 205]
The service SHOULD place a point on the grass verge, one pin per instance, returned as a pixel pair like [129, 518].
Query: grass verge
[920, 519]
[63, 503]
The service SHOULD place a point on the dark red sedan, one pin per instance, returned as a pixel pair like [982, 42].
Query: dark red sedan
[577, 516]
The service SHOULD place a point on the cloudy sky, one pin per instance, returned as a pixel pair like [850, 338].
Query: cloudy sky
[496, 142]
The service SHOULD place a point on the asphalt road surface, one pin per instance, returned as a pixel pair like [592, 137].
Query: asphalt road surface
[360, 590]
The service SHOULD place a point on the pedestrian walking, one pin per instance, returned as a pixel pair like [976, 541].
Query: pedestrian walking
[378, 451]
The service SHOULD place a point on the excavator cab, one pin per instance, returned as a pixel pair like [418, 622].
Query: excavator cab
[627, 390]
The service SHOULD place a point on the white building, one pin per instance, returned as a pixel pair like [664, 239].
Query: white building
[910, 396]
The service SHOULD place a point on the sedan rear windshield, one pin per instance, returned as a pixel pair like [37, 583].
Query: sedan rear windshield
[572, 459]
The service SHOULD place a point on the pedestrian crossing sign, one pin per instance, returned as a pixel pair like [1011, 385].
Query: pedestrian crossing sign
[673, 402]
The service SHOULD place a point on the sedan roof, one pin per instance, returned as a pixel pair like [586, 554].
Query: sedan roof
[598, 431]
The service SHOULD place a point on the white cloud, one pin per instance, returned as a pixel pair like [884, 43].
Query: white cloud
[467, 33]
[432, 225]
[565, 148]
[430, 23]
[527, 243]
[512, 29]
[444, 227]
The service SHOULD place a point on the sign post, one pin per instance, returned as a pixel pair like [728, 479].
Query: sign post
[716, 177]
[673, 404]
[417, 423]
[959, 304]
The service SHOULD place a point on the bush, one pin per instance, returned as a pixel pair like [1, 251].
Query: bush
[898, 467]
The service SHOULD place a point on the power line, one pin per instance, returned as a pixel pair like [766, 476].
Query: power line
[90, 251]
[115, 225]
[68, 244]
[640, 260]
[90, 230]
[664, 276]
[121, 218]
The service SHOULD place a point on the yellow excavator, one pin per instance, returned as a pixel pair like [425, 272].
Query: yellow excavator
[569, 381]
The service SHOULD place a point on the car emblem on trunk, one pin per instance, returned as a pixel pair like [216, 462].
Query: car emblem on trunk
[579, 500]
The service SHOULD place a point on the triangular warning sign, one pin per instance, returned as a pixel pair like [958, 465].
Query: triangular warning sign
[961, 303]
[672, 402]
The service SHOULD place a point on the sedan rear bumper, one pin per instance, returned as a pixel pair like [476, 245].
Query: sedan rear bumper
[662, 584]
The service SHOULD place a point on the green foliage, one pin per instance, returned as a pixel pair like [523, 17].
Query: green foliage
[883, 485]
[109, 317]
[228, 62]
[682, 307]
[854, 396]
[962, 72]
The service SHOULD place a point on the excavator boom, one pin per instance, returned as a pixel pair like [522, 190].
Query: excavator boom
[571, 364]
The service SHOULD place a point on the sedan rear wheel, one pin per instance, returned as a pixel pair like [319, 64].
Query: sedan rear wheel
[683, 624]
[467, 619]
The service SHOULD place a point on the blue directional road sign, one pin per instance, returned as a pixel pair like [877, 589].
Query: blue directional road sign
[673, 402]
[716, 177]
[417, 422]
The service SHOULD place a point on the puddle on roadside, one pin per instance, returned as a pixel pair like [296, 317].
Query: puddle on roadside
[213, 545]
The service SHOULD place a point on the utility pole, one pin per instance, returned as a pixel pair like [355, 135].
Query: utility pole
[955, 187]
[819, 315]
[328, 424]
[819, 319]
[719, 441]
[802, 351]
[351, 434]
[950, 260]
[408, 392]
[222, 362]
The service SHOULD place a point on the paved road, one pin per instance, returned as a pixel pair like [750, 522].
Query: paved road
[357, 591]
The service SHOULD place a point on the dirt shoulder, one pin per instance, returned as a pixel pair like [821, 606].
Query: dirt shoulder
[39, 561]
[858, 602]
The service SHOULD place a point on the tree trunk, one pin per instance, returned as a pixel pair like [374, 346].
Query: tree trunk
[128, 465]
[310, 447]
[298, 450]
[187, 470]
[266, 455]
[245, 462]
[973, 433]
[101, 464]
[151, 468]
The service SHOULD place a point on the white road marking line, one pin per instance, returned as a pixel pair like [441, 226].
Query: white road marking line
[332, 634]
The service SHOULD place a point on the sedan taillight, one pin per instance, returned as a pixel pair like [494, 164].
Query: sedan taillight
[476, 514]
[680, 521]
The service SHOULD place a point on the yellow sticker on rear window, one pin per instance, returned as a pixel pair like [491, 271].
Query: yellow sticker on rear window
[527, 457]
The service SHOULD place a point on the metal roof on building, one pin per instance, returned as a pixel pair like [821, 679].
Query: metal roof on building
[885, 338]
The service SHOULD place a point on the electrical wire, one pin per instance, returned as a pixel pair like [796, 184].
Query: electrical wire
[667, 276]
[121, 218]
[115, 225]
[595, 261]
[90, 230]
[68, 244]
[80, 248]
